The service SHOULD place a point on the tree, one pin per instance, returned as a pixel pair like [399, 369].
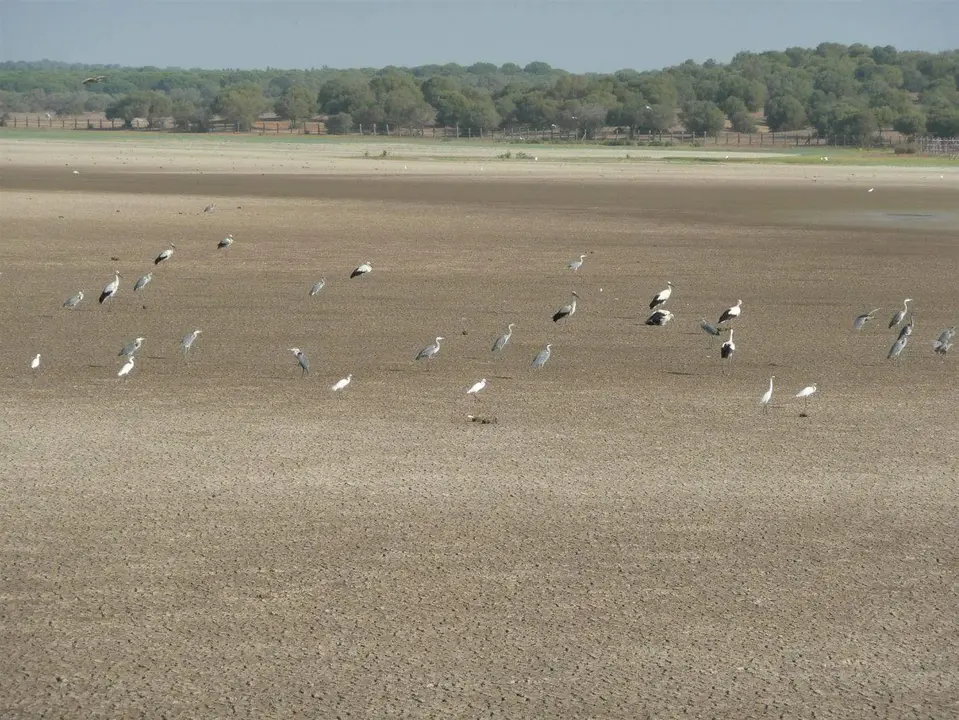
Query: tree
[240, 104]
[152, 106]
[702, 117]
[943, 123]
[339, 124]
[911, 123]
[295, 105]
[739, 118]
[785, 113]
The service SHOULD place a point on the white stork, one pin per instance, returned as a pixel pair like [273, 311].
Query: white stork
[731, 313]
[110, 289]
[661, 296]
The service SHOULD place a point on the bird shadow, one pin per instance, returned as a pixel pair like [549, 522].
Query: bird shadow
[683, 374]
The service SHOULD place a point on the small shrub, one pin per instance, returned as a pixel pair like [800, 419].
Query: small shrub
[506, 155]
[909, 149]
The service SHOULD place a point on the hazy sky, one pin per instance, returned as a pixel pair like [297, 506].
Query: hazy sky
[586, 35]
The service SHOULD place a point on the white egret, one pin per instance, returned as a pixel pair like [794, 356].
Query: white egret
[340, 384]
[128, 366]
[767, 396]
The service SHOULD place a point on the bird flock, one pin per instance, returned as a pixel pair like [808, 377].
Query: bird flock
[659, 317]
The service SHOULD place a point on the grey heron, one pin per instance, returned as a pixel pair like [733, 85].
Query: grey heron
[317, 286]
[709, 329]
[363, 269]
[659, 317]
[662, 296]
[35, 363]
[728, 348]
[503, 339]
[110, 289]
[900, 314]
[767, 396]
[142, 282]
[731, 313]
[165, 255]
[429, 352]
[340, 384]
[225, 242]
[861, 320]
[476, 387]
[301, 358]
[542, 357]
[805, 393]
[906, 329]
[131, 348]
[567, 310]
[186, 342]
[127, 367]
[897, 347]
[210, 208]
[74, 300]
[576, 264]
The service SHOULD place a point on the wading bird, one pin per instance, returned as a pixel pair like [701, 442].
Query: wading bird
[429, 352]
[767, 396]
[900, 314]
[659, 317]
[861, 321]
[142, 282]
[317, 286]
[805, 393]
[225, 242]
[210, 208]
[74, 300]
[503, 339]
[127, 367]
[110, 289]
[542, 357]
[476, 387]
[728, 348]
[897, 347]
[35, 363]
[661, 296]
[709, 329]
[363, 269]
[165, 255]
[186, 342]
[131, 348]
[731, 313]
[941, 344]
[340, 384]
[567, 310]
[575, 265]
[906, 329]
[301, 358]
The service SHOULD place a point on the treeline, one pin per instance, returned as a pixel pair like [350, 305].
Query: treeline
[836, 90]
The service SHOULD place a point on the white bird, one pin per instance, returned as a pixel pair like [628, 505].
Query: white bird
[542, 357]
[767, 396]
[210, 208]
[225, 242]
[900, 314]
[317, 286]
[731, 313]
[35, 363]
[503, 339]
[186, 342]
[142, 282]
[125, 370]
[576, 264]
[165, 255]
[661, 296]
[301, 358]
[567, 310]
[476, 388]
[110, 289]
[340, 384]
[728, 348]
[363, 269]
[861, 320]
[131, 348]
[429, 352]
[805, 393]
[74, 300]
[659, 317]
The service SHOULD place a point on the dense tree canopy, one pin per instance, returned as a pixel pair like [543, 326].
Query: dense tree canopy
[836, 90]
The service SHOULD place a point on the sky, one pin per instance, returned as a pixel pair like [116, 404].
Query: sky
[580, 36]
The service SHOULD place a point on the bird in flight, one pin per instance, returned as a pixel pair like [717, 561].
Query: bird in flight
[94, 80]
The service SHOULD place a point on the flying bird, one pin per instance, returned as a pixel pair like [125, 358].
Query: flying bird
[317, 286]
[576, 264]
[94, 80]
[110, 289]
[225, 242]
[363, 269]
[340, 384]
[74, 300]
[900, 314]
[731, 313]
[767, 396]
[567, 310]
[165, 255]
[503, 339]
[662, 296]
[476, 388]
[186, 342]
[131, 348]
[429, 352]
[659, 317]
[128, 366]
[301, 358]
[35, 363]
[861, 320]
[542, 357]
[142, 282]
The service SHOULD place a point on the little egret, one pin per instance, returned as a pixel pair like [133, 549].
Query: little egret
[35, 363]
[340, 384]
[805, 393]
[476, 388]
[767, 396]
[128, 366]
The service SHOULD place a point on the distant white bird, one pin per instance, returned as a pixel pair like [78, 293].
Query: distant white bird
[659, 317]
[74, 300]
[186, 342]
[542, 357]
[805, 393]
[301, 358]
[125, 370]
[210, 208]
[429, 352]
[76, 172]
[709, 329]
[35, 363]
[900, 314]
[142, 282]
[165, 255]
[662, 296]
[731, 313]
[767, 396]
[340, 384]
[503, 339]
[225, 242]
[576, 264]
[567, 310]
[476, 388]
[728, 348]
[131, 348]
[110, 289]
[317, 286]
[861, 320]
[363, 269]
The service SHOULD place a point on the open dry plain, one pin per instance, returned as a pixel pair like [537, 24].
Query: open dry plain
[632, 538]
